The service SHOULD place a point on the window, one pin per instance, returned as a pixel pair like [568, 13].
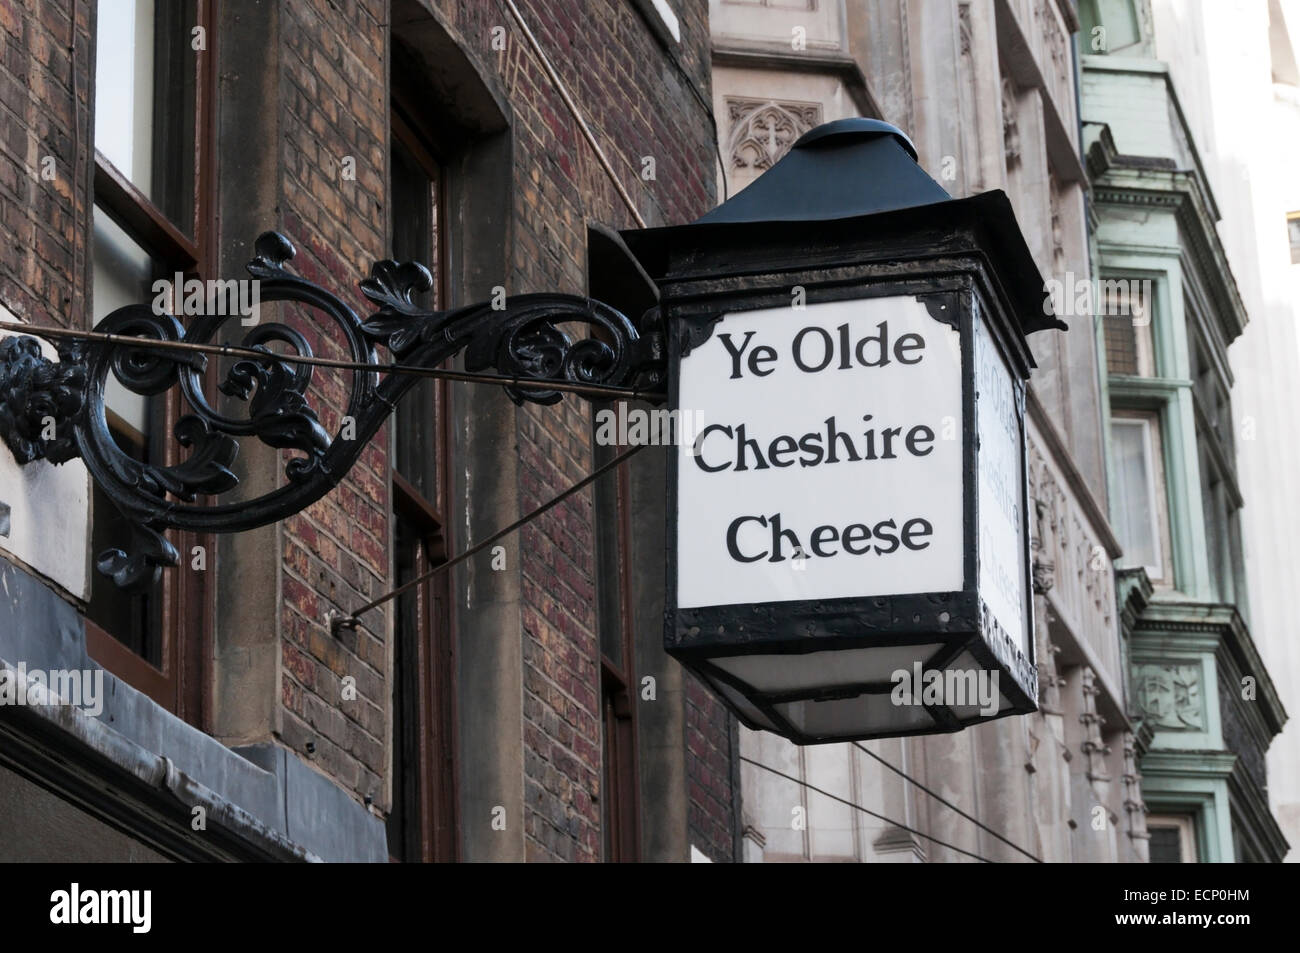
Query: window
[422, 819]
[619, 797]
[1173, 838]
[1140, 510]
[1293, 235]
[1126, 308]
[152, 89]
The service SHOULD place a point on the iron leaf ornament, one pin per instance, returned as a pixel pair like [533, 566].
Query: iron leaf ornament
[56, 410]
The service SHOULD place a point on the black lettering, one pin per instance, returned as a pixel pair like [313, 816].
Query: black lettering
[889, 433]
[915, 436]
[762, 353]
[734, 351]
[811, 445]
[743, 444]
[853, 534]
[778, 535]
[778, 448]
[733, 530]
[826, 357]
[901, 345]
[882, 342]
[823, 534]
[870, 435]
[699, 448]
[924, 529]
[889, 538]
[832, 434]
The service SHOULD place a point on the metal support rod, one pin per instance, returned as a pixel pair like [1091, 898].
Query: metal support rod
[226, 350]
[350, 621]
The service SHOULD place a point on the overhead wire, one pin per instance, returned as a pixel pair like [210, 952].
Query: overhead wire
[942, 800]
[258, 354]
[864, 810]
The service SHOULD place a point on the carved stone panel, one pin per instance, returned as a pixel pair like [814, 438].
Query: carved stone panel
[1169, 696]
[763, 130]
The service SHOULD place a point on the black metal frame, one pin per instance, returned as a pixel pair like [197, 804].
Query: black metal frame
[522, 338]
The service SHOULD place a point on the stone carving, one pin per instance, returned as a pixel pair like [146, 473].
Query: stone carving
[1070, 564]
[1169, 696]
[1058, 228]
[763, 130]
[1134, 806]
[1010, 127]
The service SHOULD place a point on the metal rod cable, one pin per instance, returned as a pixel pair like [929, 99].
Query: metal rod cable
[340, 622]
[942, 800]
[228, 350]
[859, 807]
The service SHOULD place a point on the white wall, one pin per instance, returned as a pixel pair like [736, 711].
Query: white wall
[1248, 131]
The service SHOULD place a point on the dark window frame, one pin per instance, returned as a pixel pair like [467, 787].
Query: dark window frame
[620, 798]
[185, 629]
[430, 790]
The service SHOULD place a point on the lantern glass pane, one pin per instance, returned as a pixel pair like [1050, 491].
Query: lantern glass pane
[844, 717]
[769, 674]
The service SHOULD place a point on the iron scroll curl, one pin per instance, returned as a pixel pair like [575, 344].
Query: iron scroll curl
[532, 337]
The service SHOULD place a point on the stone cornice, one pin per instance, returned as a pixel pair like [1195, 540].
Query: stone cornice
[1178, 624]
[1210, 765]
[1155, 182]
[782, 59]
[1134, 591]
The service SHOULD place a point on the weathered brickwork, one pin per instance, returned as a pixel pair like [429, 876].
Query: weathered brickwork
[331, 103]
[333, 109]
[44, 159]
[710, 815]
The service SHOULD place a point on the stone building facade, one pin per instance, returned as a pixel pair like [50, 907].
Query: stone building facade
[519, 707]
[1202, 689]
[988, 93]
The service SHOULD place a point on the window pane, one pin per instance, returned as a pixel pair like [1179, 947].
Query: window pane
[1135, 504]
[404, 818]
[1166, 845]
[609, 578]
[124, 274]
[145, 71]
[1121, 344]
[133, 618]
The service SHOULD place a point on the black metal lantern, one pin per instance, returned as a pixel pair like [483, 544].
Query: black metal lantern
[848, 543]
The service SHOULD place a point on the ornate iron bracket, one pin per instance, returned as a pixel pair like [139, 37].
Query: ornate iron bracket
[56, 410]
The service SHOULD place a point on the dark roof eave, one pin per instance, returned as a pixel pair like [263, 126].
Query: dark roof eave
[989, 214]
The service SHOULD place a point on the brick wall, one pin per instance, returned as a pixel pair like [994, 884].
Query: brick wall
[710, 797]
[333, 89]
[333, 103]
[45, 150]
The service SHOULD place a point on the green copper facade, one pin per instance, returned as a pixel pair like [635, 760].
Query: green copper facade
[1167, 309]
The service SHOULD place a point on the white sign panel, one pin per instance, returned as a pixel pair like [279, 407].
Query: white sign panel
[1001, 498]
[829, 461]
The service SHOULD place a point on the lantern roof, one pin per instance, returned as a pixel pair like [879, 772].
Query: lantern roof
[856, 171]
[841, 169]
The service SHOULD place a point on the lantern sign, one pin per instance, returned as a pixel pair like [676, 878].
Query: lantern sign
[849, 548]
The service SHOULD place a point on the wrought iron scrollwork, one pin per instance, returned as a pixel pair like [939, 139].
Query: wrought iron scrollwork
[57, 411]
